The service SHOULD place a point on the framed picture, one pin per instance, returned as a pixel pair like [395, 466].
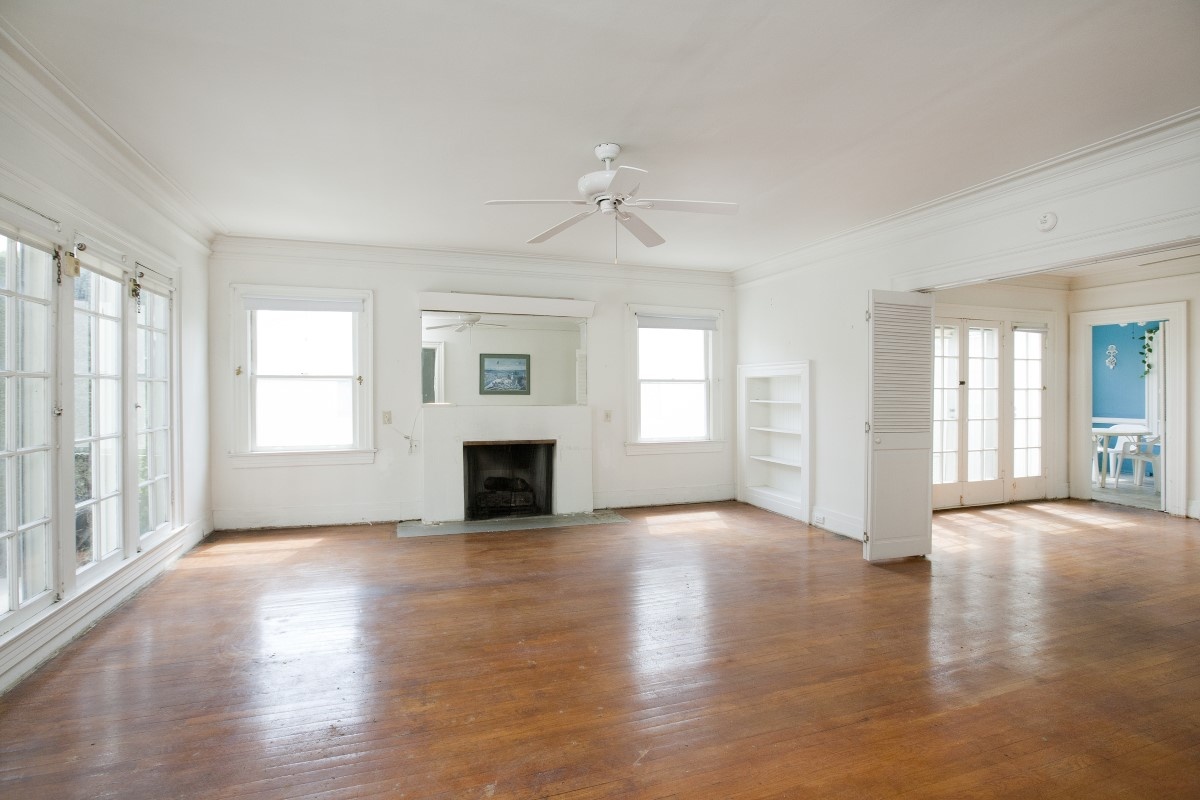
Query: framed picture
[503, 373]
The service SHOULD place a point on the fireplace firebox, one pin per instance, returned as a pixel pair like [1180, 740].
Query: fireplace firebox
[509, 478]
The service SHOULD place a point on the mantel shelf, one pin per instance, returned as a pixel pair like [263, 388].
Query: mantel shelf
[779, 402]
[776, 430]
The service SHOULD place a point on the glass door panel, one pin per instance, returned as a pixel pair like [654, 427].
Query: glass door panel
[967, 421]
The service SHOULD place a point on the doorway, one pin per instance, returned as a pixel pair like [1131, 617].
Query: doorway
[990, 382]
[1163, 404]
[1127, 379]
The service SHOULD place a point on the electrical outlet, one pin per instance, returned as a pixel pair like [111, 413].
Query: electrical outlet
[387, 418]
[818, 519]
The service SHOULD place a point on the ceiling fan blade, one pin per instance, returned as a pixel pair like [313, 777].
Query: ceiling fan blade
[489, 325]
[535, 202]
[626, 180]
[644, 233]
[435, 327]
[560, 227]
[702, 206]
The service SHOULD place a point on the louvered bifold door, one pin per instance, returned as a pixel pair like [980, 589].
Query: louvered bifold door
[899, 517]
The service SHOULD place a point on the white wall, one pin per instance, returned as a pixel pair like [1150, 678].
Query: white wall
[56, 158]
[392, 487]
[1120, 197]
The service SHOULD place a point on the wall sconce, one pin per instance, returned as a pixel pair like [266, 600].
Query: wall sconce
[1111, 352]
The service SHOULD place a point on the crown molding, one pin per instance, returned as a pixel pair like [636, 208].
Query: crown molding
[233, 248]
[1105, 163]
[90, 143]
[80, 224]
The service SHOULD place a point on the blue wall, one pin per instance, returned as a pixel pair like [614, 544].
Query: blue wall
[1121, 391]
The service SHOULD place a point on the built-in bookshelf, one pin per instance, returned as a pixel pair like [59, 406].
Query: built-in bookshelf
[774, 443]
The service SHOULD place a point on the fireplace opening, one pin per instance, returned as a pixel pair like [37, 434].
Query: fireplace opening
[508, 478]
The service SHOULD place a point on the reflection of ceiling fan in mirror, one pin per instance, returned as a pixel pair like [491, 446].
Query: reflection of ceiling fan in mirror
[614, 192]
[464, 322]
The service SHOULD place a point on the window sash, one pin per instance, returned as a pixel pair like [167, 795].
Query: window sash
[645, 416]
[251, 415]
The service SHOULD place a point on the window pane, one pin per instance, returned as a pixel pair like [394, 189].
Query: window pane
[304, 342]
[674, 411]
[108, 467]
[84, 337]
[33, 411]
[110, 525]
[33, 561]
[298, 412]
[85, 472]
[108, 407]
[666, 354]
[34, 274]
[84, 394]
[33, 336]
[4, 575]
[84, 531]
[143, 444]
[33, 479]
[144, 526]
[3, 324]
[108, 346]
[160, 503]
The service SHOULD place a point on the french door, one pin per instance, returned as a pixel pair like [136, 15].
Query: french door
[987, 412]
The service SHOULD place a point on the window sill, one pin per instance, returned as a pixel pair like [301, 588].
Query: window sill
[672, 448]
[302, 458]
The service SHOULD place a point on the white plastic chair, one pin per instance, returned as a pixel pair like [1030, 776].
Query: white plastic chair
[1113, 456]
[1141, 453]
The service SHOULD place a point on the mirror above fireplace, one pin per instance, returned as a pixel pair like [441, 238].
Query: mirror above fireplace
[488, 350]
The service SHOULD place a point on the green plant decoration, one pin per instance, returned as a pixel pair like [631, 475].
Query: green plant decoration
[1147, 340]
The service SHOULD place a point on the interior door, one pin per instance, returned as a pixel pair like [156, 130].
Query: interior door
[967, 413]
[899, 516]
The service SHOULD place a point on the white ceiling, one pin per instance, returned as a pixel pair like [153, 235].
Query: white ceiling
[392, 121]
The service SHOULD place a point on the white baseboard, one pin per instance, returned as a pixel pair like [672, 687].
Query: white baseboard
[237, 519]
[1193, 509]
[836, 522]
[35, 642]
[789, 505]
[633, 498]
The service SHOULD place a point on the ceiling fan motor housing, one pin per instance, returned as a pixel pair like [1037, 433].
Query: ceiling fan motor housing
[595, 184]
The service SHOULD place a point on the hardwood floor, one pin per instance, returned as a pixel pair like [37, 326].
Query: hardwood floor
[709, 651]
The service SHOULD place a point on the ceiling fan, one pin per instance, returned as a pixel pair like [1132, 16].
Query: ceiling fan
[614, 192]
[465, 321]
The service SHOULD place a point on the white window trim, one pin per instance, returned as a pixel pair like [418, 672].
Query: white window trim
[715, 441]
[242, 455]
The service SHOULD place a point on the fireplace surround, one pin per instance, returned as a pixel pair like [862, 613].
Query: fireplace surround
[445, 430]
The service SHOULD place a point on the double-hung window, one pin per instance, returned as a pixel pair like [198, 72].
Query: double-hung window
[675, 357]
[302, 358]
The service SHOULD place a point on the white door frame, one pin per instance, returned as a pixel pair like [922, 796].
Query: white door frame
[1175, 433]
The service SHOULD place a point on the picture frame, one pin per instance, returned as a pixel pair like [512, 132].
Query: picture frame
[503, 373]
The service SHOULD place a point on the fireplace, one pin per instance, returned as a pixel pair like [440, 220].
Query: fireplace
[509, 478]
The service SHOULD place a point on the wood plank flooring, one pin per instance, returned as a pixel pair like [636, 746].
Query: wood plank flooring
[708, 651]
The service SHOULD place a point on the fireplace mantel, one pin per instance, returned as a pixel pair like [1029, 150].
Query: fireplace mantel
[448, 428]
